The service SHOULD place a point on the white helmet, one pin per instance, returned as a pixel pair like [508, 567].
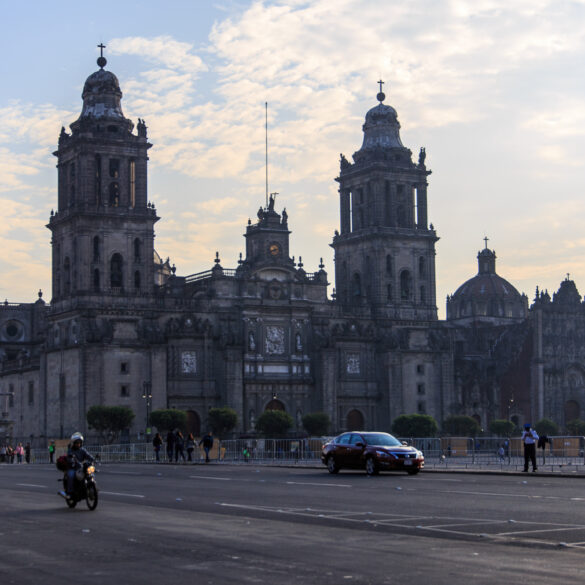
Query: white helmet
[76, 437]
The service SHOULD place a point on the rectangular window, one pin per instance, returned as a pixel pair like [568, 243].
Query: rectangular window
[31, 392]
[420, 369]
[124, 368]
[420, 389]
[11, 395]
[114, 168]
[125, 390]
[421, 408]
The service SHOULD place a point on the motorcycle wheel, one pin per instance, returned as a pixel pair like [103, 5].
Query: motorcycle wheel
[92, 496]
[71, 502]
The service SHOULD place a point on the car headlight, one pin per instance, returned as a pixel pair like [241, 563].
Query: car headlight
[382, 453]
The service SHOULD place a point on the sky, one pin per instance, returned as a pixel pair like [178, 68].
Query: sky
[493, 89]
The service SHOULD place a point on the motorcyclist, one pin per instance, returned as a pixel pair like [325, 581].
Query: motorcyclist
[76, 455]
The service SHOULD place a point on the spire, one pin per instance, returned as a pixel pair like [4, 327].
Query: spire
[486, 260]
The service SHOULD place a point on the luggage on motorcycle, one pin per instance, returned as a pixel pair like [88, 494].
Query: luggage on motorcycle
[62, 463]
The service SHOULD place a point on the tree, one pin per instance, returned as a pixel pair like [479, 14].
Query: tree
[460, 425]
[316, 423]
[415, 425]
[168, 419]
[109, 421]
[274, 423]
[502, 427]
[546, 427]
[576, 427]
[222, 420]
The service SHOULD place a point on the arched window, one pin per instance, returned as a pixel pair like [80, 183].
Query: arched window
[275, 404]
[96, 280]
[137, 280]
[356, 289]
[116, 271]
[355, 420]
[405, 285]
[423, 294]
[422, 267]
[389, 291]
[193, 423]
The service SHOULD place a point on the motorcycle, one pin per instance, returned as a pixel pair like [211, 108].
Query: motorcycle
[84, 487]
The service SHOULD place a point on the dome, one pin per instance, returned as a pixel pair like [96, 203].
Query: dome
[381, 128]
[487, 296]
[101, 95]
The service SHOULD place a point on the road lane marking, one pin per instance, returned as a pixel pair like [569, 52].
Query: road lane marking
[345, 485]
[501, 495]
[121, 494]
[31, 485]
[210, 477]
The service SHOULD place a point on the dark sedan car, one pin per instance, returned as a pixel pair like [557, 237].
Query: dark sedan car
[373, 452]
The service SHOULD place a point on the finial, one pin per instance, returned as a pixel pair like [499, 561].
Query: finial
[381, 97]
[217, 261]
[240, 261]
[321, 265]
[101, 59]
[486, 239]
[40, 294]
[173, 269]
[300, 262]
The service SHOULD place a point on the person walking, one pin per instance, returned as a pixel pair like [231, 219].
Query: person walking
[207, 443]
[52, 452]
[157, 444]
[179, 446]
[27, 452]
[170, 445]
[190, 446]
[19, 452]
[529, 439]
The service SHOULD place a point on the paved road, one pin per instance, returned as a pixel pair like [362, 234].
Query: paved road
[242, 524]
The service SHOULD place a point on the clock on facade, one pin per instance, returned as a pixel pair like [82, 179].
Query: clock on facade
[274, 249]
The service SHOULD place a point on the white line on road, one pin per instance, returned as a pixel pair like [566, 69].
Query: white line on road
[210, 477]
[120, 494]
[344, 485]
[31, 485]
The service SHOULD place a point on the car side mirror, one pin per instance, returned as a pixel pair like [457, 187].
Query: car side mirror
[360, 444]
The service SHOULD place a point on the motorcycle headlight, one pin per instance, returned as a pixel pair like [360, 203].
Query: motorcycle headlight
[91, 469]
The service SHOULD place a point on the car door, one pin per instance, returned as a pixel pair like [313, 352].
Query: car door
[355, 450]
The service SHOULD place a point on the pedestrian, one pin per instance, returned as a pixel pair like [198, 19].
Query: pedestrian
[27, 452]
[157, 444]
[529, 438]
[507, 450]
[19, 452]
[10, 453]
[207, 443]
[52, 452]
[170, 445]
[190, 446]
[542, 441]
[501, 453]
[179, 446]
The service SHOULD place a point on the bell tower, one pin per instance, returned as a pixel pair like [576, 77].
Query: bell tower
[385, 251]
[103, 229]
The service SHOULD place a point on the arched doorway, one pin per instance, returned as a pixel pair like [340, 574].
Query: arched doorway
[275, 404]
[355, 420]
[193, 423]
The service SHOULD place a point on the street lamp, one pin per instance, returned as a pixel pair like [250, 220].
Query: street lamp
[147, 395]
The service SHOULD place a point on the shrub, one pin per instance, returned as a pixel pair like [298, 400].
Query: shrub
[415, 425]
[316, 423]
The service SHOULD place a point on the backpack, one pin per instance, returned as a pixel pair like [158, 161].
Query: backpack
[62, 463]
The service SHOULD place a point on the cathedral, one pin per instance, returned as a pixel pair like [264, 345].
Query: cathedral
[123, 328]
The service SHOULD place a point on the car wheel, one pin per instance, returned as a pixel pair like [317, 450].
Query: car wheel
[332, 466]
[371, 466]
[413, 471]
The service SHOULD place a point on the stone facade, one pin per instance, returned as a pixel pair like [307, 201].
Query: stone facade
[122, 324]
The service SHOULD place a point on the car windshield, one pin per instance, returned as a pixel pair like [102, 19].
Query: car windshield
[382, 440]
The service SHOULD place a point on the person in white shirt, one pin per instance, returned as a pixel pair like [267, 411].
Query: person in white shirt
[529, 438]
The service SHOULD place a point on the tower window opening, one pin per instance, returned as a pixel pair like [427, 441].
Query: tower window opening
[423, 294]
[356, 286]
[98, 178]
[116, 271]
[114, 194]
[114, 168]
[132, 173]
[96, 248]
[389, 292]
[137, 280]
[405, 285]
[67, 275]
[422, 268]
[137, 250]
[96, 280]
[389, 265]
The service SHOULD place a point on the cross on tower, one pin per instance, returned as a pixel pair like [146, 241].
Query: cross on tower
[486, 239]
[101, 47]
[381, 84]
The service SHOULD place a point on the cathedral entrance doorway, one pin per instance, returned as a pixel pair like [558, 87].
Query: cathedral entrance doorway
[355, 420]
[193, 423]
[275, 404]
[572, 410]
